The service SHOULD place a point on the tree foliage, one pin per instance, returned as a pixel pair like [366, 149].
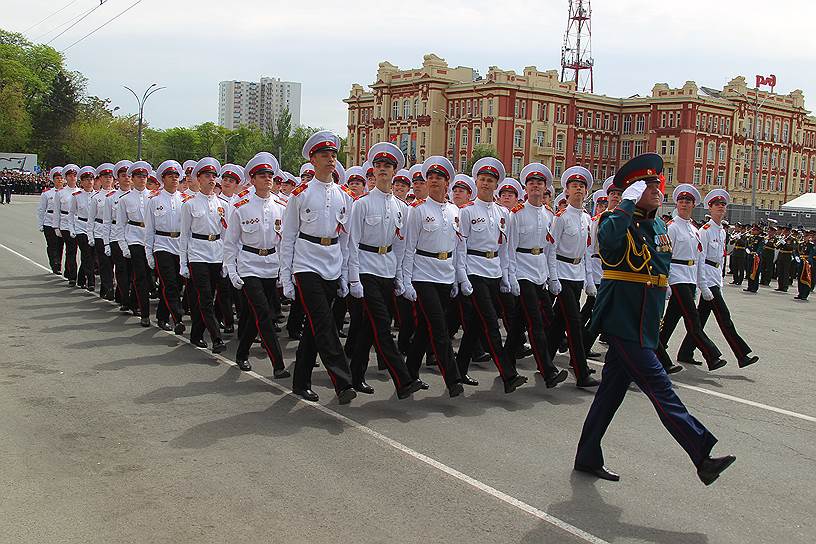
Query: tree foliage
[479, 152]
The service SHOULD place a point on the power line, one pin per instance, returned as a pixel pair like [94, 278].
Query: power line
[77, 21]
[103, 24]
[61, 25]
[49, 16]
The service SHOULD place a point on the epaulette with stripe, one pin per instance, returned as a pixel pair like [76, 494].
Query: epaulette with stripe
[549, 208]
[75, 193]
[669, 222]
[154, 194]
[300, 188]
[706, 226]
[241, 203]
[243, 193]
[559, 213]
[416, 203]
[469, 203]
[518, 207]
[187, 197]
[111, 193]
[348, 191]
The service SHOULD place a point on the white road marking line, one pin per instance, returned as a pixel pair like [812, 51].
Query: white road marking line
[481, 486]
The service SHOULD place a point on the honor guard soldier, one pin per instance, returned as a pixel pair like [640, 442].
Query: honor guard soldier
[636, 256]
[113, 233]
[313, 261]
[739, 257]
[287, 186]
[376, 248]
[429, 270]
[226, 296]
[785, 246]
[532, 264]
[82, 229]
[807, 260]
[483, 272]
[130, 214]
[307, 172]
[66, 195]
[709, 277]
[401, 187]
[600, 202]
[251, 260]
[201, 251]
[104, 177]
[570, 231]
[418, 183]
[190, 182]
[162, 233]
[686, 248]
[401, 184]
[768, 260]
[48, 218]
[754, 244]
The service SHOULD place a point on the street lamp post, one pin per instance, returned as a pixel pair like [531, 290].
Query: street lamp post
[757, 133]
[226, 141]
[141, 101]
[451, 126]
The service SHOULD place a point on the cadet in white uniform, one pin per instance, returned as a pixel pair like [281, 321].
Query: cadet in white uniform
[130, 214]
[48, 220]
[113, 233]
[600, 201]
[104, 177]
[82, 229]
[69, 171]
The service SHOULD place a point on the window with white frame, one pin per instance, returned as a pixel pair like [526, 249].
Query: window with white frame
[579, 118]
[711, 151]
[639, 145]
[641, 124]
[627, 124]
[626, 150]
[722, 153]
[559, 142]
[709, 176]
[697, 174]
[477, 136]
[518, 138]
[698, 150]
[540, 138]
[406, 109]
[464, 137]
[516, 166]
[579, 146]
[672, 147]
[394, 109]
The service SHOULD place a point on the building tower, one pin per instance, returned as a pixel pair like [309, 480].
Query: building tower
[576, 54]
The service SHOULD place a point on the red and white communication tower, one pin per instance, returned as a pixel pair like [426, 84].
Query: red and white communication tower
[576, 55]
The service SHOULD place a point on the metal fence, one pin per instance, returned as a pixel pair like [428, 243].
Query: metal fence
[740, 213]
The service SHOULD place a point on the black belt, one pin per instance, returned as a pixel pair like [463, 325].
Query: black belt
[83, 219]
[49, 211]
[442, 255]
[113, 221]
[168, 234]
[256, 251]
[318, 240]
[530, 250]
[739, 247]
[208, 237]
[680, 261]
[97, 220]
[63, 213]
[136, 223]
[596, 256]
[712, 263]
[485, 254]
[382, 250]
[576, 260]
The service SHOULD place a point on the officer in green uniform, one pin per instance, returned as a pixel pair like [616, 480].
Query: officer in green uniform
[754, 247]
[786, 246]
[636, 254]
[738, 255]
[807, 260]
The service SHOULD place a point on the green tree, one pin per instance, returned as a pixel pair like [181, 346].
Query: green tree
[479, 152]
[15, 122]
[52, 119]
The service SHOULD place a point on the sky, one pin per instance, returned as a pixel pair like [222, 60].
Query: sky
[190, 45]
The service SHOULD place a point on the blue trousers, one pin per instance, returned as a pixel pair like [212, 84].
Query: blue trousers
[627, 362]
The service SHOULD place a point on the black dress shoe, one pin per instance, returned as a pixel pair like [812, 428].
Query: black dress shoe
[280, 373]
[164, 325]
[219, 346]
[563, 347]
[714, 365]
[747, 360]
[711, 468]
[124, 309]
[71, 283]
[179, 328]
[467, 380]
[363, 387]
[587, 382]
[346, 395]
[455, 390]
[229, 330]
[342, 334]
[554, 379]
[144, 322]
[136, 313]
[524, 351]
[244, 365]
[591, 370]
[483, 357]
[691, 361]
[514, 383]
[90, 289]
[674, 369]
[306, 394]
[199, 343]
[602, 472]
[593, 354]
[423, 385]
[409, 389]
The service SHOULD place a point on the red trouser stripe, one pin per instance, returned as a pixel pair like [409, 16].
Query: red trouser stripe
[431, 336]
[379, 347]
[258, 328]
[487, 337]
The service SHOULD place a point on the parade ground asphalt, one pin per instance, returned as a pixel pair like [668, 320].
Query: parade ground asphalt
[116, 433]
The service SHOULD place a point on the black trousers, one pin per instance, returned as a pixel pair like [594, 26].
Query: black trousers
[204, 277]
[320, 335]
[738, 262]
[259, 296]
[355, 311]
[804, 289]
[753, 279]
[167, 269]
[568, 318]
[70, 270]
[432, 301]
[723, 317]
[536, 311]
[294, 323]
[406, 323]
[767, 265]
[681, 304]
[85, 274]
[484, 322]
[375, 330]
[105, 269]
[122, 272]
[586, 317]
[783, 265]
[139, 279]
[224, 303]
[54, 246]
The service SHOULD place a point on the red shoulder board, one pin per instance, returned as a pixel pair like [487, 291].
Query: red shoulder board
[598, 216]
[706, 226]
[669, 222]
[111, 193]
[243, 193]
[241, 203]
[300, 188]
[470, 203]
[75, 193]
[518, 207]
[46, 189]
[549, 208]
[186, 198]
[416, 203]
[154, 193]
[347, 191]
[560, 212]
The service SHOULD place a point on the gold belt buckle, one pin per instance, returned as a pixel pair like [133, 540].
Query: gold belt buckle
[535, 251]
[263, 252]
[325, 241]
[211, 237]
[576, 260]
[490, 254]
[382, 250]
[442, 256]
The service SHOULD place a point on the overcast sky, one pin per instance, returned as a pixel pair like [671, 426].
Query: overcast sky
[191, 45]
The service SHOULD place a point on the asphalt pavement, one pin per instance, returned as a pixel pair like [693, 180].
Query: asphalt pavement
[115, 433]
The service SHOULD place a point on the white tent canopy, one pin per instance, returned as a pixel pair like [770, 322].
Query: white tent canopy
[804, 203]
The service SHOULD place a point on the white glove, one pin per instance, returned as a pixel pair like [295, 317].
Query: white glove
[634, 191]
[707, 295]
[555, 286]
[504, 285]
[42, 228]
[107, 250]
[58, 233]
[454, 290]
[342, 288]
[91, 241]
[668, 294]
[73, 234]
[356, 289]
[288, 290]
[224, 272]
[465, 287]
[236, 280]
[399, 288]
[590, 289]
[410, 293]
[184, 272]
[151, 261]
[126, 254]
[515, 288]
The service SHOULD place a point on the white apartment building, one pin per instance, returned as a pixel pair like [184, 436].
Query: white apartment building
[250, 103]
